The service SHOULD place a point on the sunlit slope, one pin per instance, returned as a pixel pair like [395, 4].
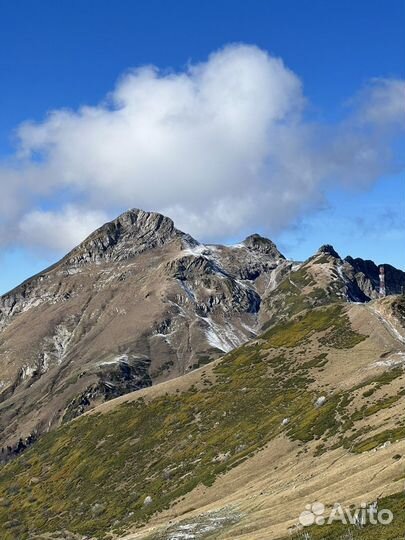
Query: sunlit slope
[328, 383]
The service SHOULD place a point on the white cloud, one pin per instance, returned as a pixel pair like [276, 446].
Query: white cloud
[222, 146]
[59, 230]
[382, 103]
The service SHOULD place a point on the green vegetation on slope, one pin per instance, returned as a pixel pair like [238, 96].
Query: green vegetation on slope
[299, 291]
[296, 331]
[93, 474]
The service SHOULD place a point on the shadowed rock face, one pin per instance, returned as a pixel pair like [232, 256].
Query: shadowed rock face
[361, 277]
[368, 270]
[255, 242]
[329, 250]
[140, 302]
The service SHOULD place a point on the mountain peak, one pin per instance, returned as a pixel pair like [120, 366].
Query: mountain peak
[129, 234]
[138, 222]
[328, 249]
[256, 242]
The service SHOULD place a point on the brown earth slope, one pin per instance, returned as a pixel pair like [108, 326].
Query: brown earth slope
[311, 410]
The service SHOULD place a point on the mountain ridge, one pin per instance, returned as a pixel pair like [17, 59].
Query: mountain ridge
[139, 302]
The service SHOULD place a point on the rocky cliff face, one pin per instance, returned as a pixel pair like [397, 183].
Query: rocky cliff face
[140, 302]
[366, 274]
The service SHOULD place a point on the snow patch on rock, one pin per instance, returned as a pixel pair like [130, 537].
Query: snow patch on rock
[224, 337]
[395, 360]
[388, 324]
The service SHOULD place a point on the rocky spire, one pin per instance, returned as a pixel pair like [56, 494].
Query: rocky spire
[256, 242]
[328, 249]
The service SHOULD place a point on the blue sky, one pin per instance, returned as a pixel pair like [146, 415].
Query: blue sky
[66, 54]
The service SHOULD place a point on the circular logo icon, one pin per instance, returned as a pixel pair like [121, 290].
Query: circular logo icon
[313, 514]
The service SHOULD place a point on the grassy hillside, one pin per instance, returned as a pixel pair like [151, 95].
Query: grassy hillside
[319, 281]
[113, 469]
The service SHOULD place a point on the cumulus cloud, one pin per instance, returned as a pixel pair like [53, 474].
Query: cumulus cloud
[222, 147]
